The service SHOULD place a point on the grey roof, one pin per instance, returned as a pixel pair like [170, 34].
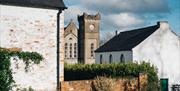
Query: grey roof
[127, 40]
[48, 4]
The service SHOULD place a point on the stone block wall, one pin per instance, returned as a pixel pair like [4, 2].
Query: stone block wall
[121, 84]
[34, 30]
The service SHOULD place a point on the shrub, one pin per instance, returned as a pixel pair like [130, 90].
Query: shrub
[102, 84]
[90, 71]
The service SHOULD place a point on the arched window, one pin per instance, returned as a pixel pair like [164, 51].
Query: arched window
[101, 58]
[122, 59]
[70, 50]
[92, 50]
[70, 38]
[66, 48]
[110, 58]
[75, 50]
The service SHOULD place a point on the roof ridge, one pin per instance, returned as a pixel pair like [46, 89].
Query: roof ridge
[136, 29]
[70, 23]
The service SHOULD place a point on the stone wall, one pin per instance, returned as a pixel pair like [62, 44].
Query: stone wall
[34, 30]
[121, 84]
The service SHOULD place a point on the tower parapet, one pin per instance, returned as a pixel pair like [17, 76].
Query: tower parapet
[89, 17]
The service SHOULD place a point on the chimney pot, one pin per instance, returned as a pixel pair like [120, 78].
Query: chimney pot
[163, 24]
[116, 32]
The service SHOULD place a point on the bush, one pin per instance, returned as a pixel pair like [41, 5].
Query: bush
[90, 71]
[102, 84]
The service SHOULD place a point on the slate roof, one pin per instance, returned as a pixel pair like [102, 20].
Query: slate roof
[48, 4]
[127, 40]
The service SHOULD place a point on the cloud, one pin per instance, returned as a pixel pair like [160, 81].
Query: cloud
[122, 20]
[73, 11]
[134, 6]
[108, 22]
[118, 14]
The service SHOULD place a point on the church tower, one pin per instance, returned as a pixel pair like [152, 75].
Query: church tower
[88, 37]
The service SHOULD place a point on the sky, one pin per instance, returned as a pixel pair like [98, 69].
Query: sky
[125, 15]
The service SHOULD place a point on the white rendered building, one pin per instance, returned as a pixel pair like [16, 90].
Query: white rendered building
[156, 44]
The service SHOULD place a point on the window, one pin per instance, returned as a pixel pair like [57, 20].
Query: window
[65, 54]
[92, 50]
[70, 54]
[75, 50]
[101, 58]
[66, 48]
[110, 58]
[70, 50]
[70, 38]
[122, 59]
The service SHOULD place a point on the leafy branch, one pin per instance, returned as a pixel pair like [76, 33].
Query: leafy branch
[6, 79]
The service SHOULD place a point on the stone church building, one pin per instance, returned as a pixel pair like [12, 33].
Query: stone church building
[80, 42]
[156, 44]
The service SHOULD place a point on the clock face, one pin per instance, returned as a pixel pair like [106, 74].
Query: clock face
[91, 27]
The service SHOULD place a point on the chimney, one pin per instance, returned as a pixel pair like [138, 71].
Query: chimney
[163, 25]
[116, 33]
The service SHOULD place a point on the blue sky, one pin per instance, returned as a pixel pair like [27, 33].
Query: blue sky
[124, 15]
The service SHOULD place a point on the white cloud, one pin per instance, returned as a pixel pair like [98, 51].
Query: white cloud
[73, 11]
[123, 20]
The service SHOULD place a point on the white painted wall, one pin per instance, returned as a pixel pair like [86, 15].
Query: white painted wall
[32, 30]
[115, 55]
[162, 49]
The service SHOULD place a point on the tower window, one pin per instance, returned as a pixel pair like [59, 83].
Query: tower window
[101, 58]
[92, 50]
[110, 58]
[122, 59]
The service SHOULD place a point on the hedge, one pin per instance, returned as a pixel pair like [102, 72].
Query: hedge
[90, 71]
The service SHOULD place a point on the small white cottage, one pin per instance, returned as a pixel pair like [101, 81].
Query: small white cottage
[156, 44]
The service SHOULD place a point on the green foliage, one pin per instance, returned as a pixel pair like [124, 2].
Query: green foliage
[25, 89]
[6, 79]
[88, 71]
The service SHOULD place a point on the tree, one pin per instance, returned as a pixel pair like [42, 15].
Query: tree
[106, 37]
